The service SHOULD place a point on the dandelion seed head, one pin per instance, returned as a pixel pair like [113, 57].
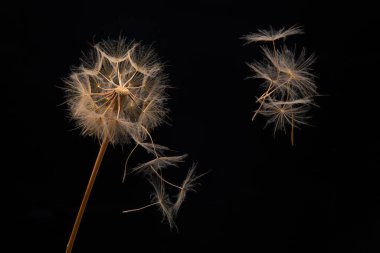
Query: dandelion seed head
[118, 89]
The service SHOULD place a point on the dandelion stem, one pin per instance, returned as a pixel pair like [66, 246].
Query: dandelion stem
[87, 193]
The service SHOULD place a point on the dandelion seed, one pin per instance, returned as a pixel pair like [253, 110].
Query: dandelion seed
[288, 83]
[188, 185]
[272, 35]
[163, 201]
[292, 70]
[159, 163]
[281, 114]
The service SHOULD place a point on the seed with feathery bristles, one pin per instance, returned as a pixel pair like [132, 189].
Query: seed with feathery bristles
[289, 85]
[272, 35]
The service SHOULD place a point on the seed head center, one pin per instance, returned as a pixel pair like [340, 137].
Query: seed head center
[122, 90]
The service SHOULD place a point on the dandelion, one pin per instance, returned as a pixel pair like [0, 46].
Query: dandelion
[288, 84]
[118, 95]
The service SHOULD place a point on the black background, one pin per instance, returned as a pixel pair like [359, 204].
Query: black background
[260, 195]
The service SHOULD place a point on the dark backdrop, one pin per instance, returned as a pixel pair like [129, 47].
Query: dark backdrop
[260, 195]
